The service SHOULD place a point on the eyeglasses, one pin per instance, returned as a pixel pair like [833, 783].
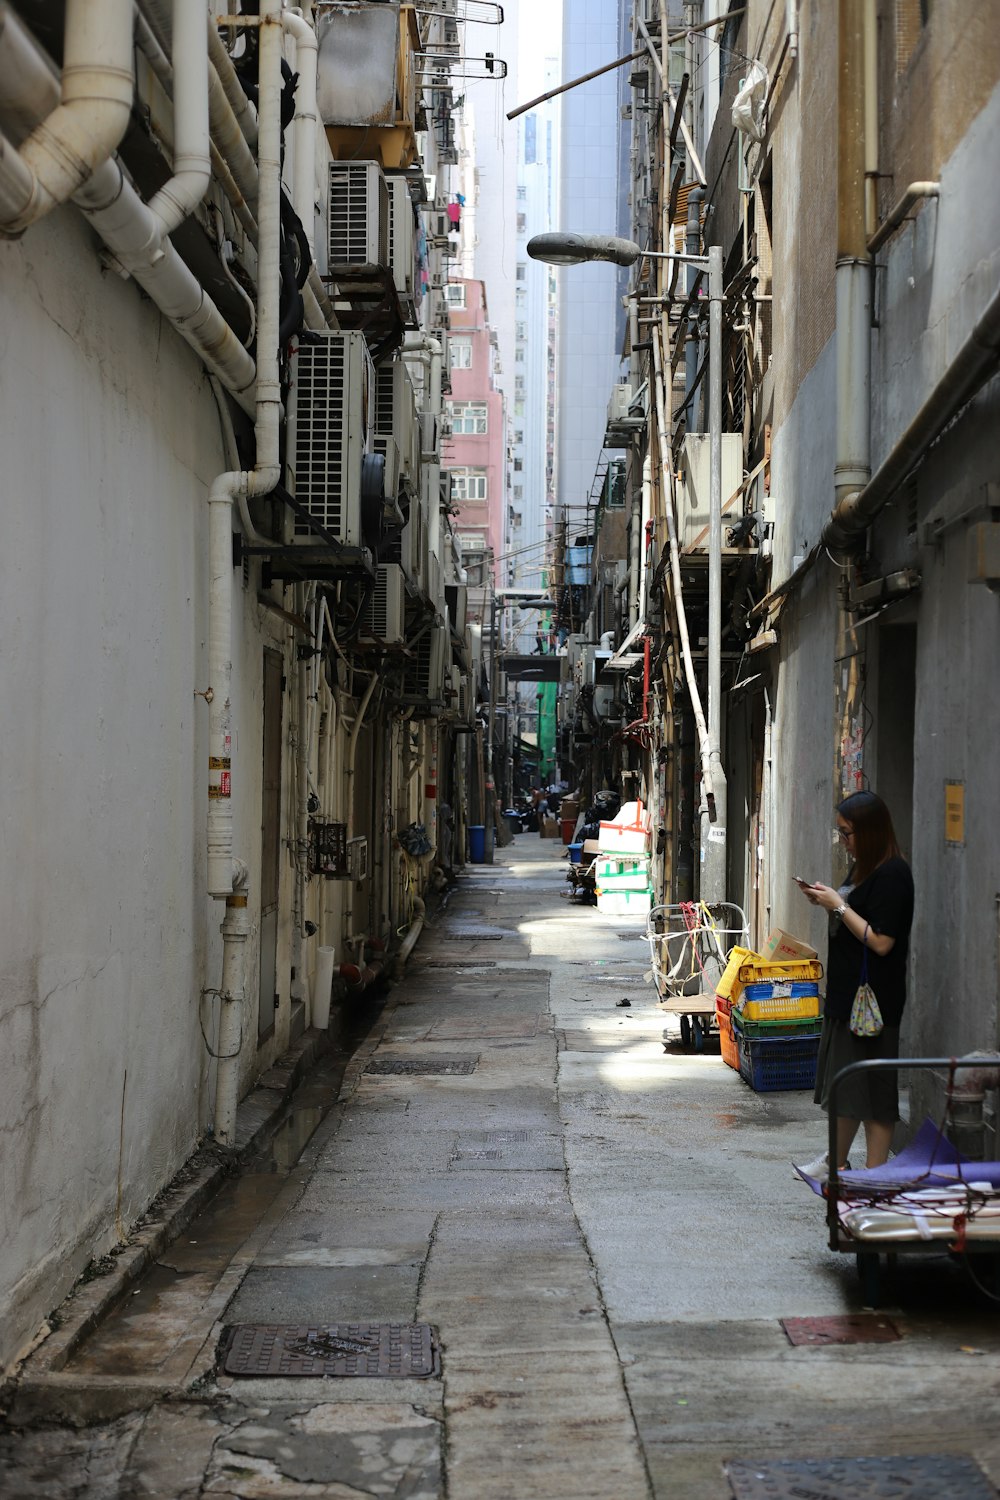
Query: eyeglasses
[844, 833]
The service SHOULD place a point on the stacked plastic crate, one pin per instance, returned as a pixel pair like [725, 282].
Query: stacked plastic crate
[769, 1020]
[622, 870]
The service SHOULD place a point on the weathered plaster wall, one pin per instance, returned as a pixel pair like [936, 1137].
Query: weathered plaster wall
[110, 439]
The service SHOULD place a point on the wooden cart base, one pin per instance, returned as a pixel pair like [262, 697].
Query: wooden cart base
[697, 1016]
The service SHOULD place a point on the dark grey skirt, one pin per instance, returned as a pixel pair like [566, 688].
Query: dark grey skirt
[863, 1096]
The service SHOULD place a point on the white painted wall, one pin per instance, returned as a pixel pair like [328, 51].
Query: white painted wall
[110, 439]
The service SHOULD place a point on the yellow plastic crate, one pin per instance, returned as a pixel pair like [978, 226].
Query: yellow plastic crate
[729, 985]
[780, 1008]
[759, 970]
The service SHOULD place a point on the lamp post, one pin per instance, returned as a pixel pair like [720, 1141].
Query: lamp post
[569, 249]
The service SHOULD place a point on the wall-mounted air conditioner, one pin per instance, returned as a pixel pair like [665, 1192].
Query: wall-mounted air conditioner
[402, 247]
[432, 433]
[453, 688]
[423, 675]
[383, 618]
[396, 414]
[592, 660]
[435, 583]
[457, 597]
[357, 215]
[389, 448]
[694, 487]
[466, 701]
[329, 408]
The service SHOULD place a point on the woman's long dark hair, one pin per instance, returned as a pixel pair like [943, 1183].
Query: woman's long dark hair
[874, 835]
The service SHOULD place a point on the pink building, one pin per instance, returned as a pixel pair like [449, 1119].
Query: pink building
[476, 452]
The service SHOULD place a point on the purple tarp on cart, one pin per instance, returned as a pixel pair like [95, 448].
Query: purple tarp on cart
[930, 1160]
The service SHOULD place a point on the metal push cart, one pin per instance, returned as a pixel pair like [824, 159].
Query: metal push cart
[690, 945]
[951, 1214]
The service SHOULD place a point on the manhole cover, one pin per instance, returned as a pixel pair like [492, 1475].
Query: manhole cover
[449, 1065]
[927, 1476]
[854, 1328]
[399, 1351]
[478, 1155]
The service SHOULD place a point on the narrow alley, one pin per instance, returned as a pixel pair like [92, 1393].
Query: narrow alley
[602, 1231]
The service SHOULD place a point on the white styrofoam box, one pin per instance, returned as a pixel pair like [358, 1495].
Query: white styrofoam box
[625, 903]
[614, 838]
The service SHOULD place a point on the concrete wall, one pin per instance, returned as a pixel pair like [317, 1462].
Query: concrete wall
[110, 438]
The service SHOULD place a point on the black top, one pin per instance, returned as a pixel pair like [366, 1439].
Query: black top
[885, 900]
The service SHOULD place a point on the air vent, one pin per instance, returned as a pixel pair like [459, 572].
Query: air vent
[402, 248]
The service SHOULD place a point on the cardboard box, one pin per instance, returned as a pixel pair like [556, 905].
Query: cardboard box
[550, 828]
[783, 947]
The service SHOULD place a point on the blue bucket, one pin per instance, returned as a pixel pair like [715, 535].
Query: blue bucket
[477, 843]
[576, 854]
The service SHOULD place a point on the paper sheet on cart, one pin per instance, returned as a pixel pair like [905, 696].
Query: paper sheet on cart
[930, 1214]
[930, 1160]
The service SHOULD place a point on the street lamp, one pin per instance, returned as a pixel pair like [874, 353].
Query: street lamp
[567, 249]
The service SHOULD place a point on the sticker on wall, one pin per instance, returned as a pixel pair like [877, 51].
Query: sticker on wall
[954, 813]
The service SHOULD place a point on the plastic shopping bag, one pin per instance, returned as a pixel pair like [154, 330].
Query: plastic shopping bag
[748, 106]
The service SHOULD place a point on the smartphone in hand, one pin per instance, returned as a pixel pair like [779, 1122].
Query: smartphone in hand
[806, 884]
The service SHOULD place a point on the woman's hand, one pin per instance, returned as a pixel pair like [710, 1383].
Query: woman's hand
[822, 895]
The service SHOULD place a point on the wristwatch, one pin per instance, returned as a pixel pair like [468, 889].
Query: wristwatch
[839, 911]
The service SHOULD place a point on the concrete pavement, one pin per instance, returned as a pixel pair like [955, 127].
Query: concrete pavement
[603, 1231]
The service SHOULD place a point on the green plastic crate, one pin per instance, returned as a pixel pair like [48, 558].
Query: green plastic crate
[805, 1026]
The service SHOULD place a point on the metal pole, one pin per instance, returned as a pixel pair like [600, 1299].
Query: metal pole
[713, 825]
[489, 816]
[695, 196]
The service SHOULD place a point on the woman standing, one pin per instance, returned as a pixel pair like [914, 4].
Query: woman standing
[873, 910]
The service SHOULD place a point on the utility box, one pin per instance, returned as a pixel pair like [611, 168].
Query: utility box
[694, 486]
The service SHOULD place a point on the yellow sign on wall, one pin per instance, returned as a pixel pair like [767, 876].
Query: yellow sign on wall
[954, 812]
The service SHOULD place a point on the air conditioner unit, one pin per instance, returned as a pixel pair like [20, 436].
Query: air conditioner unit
[357, 859]
[453, 689]
[423, 677]
[435, 583]
[622, 424]
[396, 414]
[457, 596]
[329, 408]
[694, 487]
[466, 701]
[402, 247]
[389, 449]
[432, 433]
[357, 215]
[592, 660]
[383, 618]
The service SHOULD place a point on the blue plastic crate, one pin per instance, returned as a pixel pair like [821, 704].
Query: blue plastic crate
[796, 989]
[784, 1063]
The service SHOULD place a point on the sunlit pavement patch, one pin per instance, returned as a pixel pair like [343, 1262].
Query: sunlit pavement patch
[930, 1476]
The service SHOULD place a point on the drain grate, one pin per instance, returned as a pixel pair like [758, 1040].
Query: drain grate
[475, 964]
[454, 934]
[392, 1351]
[453, 1066]
[925, 1476]
[853, 1328]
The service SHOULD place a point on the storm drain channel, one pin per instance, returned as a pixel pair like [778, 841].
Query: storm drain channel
[384, 1067]
[384, 1351]
[930, 1476]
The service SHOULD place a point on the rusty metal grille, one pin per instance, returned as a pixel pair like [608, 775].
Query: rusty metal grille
[454, 1066]
[930, 1476]
[853, 1328]
[389, 1351]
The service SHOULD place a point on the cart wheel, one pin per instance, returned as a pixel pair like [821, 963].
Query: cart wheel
[686, 1031]
[868, 1273]
[700, 1033]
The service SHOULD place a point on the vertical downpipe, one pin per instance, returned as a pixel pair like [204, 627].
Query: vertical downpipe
[853, 459]
[713, 829]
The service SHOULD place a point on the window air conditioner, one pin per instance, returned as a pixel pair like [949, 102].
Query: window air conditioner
[423, 676]
[453, 688]
[389, 449]
[329, 408]
[358, 215]
[396, 415]
[694, 488]
[435, 583]
[432, 431]
[466, 702]
[383, 618]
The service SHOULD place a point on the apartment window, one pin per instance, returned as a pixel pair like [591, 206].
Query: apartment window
[521, 330]
[460, 353]
[519, 355]
[521, 297]
[519, 434]
[518, 385]
[454, 293]
[519, 492]
[522, 223]
[518, 465]
[522, 271]
[468, 484]
[522, 193]
[519, 408]
[468, 418]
